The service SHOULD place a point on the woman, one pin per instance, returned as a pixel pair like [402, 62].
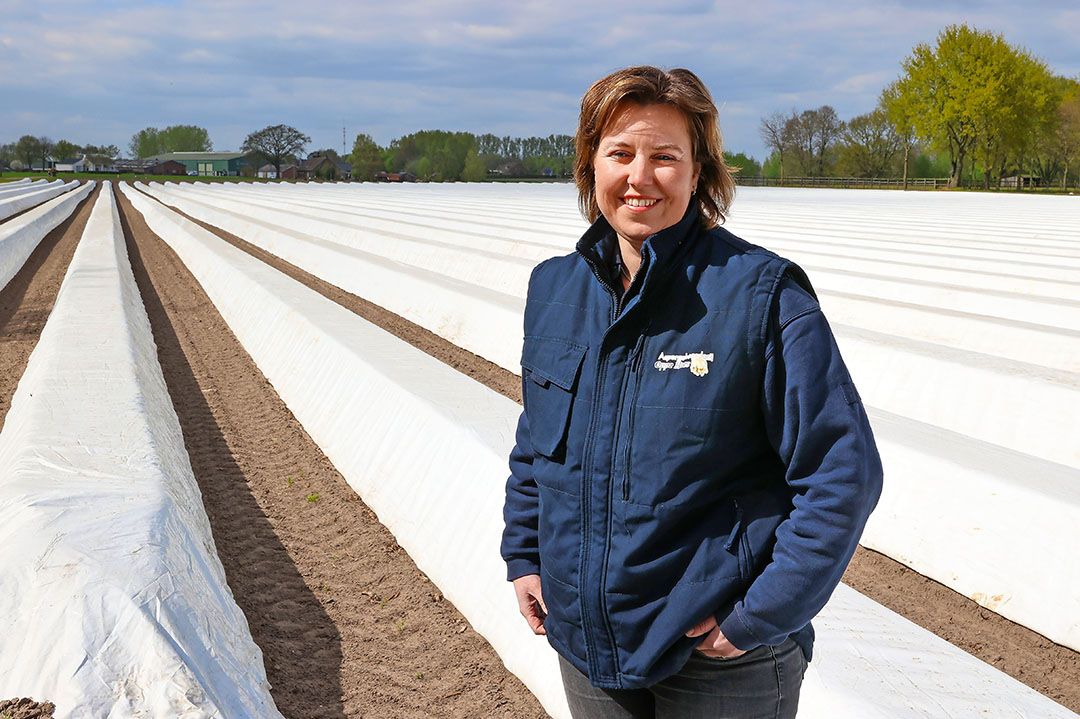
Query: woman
[693, 466]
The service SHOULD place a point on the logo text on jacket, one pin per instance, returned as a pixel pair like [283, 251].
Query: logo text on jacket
[697, 362]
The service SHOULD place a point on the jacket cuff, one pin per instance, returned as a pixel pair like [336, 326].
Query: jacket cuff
[737, 631]
[516, 568]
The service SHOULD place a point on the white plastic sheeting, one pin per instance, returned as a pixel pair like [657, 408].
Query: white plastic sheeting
[957, 315]
[20, 236]
[113, 600]
[10, 189]
[439, 288]
[19, 202]
[431, 462]
[871, 663]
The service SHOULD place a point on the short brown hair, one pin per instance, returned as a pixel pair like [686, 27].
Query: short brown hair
[648, 85]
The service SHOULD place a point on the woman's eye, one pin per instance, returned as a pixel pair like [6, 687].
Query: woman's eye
[666, 158]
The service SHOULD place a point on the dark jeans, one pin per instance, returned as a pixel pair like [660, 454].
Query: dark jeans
[763, 683]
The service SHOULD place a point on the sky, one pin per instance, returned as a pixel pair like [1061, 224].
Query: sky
[97, 72]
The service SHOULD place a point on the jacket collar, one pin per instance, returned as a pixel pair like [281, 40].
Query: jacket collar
[657, 251]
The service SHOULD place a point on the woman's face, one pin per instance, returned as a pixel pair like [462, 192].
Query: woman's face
[644, 169]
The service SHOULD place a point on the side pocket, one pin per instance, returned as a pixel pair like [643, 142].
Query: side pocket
[552, 366]
[736, 542]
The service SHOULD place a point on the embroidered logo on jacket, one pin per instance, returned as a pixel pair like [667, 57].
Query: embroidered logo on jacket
[698, 362]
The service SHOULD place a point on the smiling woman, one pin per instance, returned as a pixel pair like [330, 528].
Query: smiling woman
[693, 466]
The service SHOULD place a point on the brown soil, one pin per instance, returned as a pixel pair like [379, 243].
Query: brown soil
[347, 624]
[1029, 657]
[1049, 668]
[25, 709]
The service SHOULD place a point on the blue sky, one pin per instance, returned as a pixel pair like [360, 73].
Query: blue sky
[96, 72]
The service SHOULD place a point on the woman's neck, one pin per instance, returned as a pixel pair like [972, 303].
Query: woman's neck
[630, 253]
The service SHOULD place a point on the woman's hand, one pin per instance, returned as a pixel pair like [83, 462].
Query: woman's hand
[715, 644]
[531, 602]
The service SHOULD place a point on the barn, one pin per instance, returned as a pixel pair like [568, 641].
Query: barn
[206, 163]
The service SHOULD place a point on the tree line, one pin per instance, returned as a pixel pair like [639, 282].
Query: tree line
[450, 156]
[30, 149]
[971, 105]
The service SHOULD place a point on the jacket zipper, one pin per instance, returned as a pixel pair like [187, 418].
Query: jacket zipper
[586, 496]
[635, 379]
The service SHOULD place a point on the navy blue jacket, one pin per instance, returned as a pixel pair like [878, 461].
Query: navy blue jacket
[695, 447]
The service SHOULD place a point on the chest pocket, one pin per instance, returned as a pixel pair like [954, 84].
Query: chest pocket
[551, 367]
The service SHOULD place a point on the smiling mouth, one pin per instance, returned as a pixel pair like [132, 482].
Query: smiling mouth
[639, 201]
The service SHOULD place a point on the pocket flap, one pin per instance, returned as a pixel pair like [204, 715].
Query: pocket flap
[553, 360]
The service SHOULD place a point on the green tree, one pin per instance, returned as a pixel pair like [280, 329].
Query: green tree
[27, 149]
[367, 158]
[745, 165]
[869, 145]
[1013, 103]
[7, 154]
[973, 95]
[185, 138]
[151, 141]
[431, 154]
[772, 168]
[475, 168]
[101, 154]
[1067, 134]
[276, 143]
[898, 114]
[145, 143]
[64, 150]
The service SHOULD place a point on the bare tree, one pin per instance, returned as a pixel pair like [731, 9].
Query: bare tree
[772, 133]
[276, 143]
[45, 146]
[811, 137]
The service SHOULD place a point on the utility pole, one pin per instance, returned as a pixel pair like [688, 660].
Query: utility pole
[343, 138]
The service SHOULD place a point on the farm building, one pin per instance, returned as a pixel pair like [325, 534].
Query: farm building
[320, 167]
[206, 163]
[85, 163]
[168, 167]
[288, 172]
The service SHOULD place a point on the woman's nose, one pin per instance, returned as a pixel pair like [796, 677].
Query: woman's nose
[640, 171]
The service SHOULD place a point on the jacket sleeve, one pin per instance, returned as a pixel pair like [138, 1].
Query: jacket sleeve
[521, 511]
[819, 428]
